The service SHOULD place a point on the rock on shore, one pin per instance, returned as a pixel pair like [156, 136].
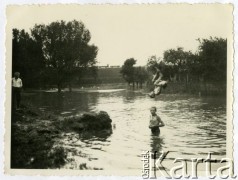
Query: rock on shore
[86, 122]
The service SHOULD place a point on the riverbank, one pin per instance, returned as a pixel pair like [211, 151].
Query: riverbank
[36, 137]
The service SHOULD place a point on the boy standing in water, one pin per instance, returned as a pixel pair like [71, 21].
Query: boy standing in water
[155, 121]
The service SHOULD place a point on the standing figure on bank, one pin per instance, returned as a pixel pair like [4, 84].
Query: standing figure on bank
[158, 82]
[16, 90]
[155, 122]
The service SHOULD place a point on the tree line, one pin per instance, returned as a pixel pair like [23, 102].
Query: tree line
[57, 54]
[207, 64]
[60, 54]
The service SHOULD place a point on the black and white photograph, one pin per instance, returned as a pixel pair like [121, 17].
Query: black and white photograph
[142, 90]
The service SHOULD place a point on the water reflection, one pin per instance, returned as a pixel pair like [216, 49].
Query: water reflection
[156, 144]
[65, 103]
[194, 126]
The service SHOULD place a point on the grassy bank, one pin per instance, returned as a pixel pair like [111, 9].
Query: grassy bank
[35, 136]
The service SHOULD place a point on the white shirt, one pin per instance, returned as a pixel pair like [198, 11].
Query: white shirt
[16, 82]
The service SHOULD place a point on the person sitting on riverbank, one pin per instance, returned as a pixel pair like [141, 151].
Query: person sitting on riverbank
[16, 90]
[155, 121]
[158, 82]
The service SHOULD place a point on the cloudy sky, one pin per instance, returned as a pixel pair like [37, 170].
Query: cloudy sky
[139, 31]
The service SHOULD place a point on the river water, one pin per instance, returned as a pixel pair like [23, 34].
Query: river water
[193, 127]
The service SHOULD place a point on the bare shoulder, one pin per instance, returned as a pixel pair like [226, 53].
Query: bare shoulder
[158, 118]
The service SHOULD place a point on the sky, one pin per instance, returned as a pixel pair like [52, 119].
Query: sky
[133, 31]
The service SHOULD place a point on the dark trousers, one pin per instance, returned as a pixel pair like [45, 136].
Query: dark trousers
[16, 97]
[155, 130]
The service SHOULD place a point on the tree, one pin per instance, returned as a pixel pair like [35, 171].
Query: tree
[27, 58]
[180, 60]
[140, 75]
[127, 71]
[65, 46]
[213, 59]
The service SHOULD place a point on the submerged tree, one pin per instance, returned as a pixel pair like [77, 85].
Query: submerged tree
[65, 48]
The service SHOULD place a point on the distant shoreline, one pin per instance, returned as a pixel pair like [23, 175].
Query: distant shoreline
[196, 88]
